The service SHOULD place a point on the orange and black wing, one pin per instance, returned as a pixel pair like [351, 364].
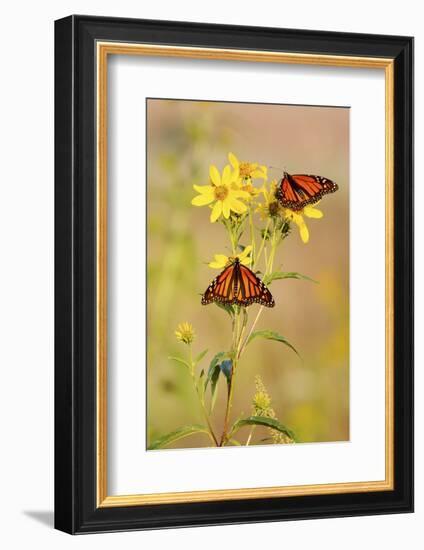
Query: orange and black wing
[237, 284]
[296, 191]
[221, 288]
[252, 289]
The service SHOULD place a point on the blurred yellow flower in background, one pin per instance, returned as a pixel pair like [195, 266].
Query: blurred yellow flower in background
[185, 333]
[223, 192]
[247, 170]
[297, 217]
[221, 260]
[262, 406]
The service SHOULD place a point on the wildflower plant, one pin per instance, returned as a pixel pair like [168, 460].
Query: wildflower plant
[241, 198]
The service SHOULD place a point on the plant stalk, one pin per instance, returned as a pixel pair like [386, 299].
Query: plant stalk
[201, 400]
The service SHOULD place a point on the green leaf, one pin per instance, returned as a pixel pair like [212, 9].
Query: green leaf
[227, 369]
[215, 364]
[271, 335]
[265, 234]
[201, 385]
[261, 421]
[226, 307]
[213, 376]
[184, 431]
[214, 387]
[200, 356]
[179, 360]
[286, 275]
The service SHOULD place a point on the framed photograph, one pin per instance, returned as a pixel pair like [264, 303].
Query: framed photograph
[234, 274]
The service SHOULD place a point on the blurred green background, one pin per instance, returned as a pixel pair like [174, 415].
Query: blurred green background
[311, 396]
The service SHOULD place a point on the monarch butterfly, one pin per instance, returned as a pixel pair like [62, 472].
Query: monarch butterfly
[237, 284]
[296, 191]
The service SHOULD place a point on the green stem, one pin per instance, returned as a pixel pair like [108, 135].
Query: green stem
[252, 236]
[224, 435]
[269, 265]
[264, 239]
[238, 330]
[232, 236]
[238, 333]
[243, 328]
[201, 399]
[250, 435]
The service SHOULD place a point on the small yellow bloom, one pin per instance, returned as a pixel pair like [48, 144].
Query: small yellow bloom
[222, 192]
[297, 217]
[261, 403]
[262, 406]
[261, 400]
[221, 260]
[251, 189]
[271, 208]
[247, 170]
[185, 333]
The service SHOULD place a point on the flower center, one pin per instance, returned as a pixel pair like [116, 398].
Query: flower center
[221, 192]
[273, 208]
[245, 169]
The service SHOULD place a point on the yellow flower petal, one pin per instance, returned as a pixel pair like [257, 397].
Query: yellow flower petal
[237, 206]
[312, 212]
[245, 252]
[263, 191]
[304, 233]
[226, 176]
[237, 182]
[214, 175]
[233, 161]
[238, 193]
[226, 207]
[300, 222]
[202, 200]
[273, 187]
[220, 261]
[203, 189]
[185, 333]
[216, 211]
[258, 174]
[216, 265]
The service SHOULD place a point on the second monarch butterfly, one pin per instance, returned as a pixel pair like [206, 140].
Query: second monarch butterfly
[296, 191]
[237, 284]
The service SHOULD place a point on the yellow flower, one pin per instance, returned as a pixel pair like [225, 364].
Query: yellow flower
[261, 400]
[271, 208]
[261, 406]
[222, 192]
[261, 403]
[247, 170]
[185, 333]
[251, 189]
[297, 217]
[221, 260]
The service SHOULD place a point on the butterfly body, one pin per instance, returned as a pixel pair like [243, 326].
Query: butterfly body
[237, 284]
[298, 190]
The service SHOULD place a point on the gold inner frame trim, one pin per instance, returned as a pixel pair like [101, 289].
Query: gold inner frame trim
[104, 49]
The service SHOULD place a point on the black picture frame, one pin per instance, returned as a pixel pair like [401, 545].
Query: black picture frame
[76, 510]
